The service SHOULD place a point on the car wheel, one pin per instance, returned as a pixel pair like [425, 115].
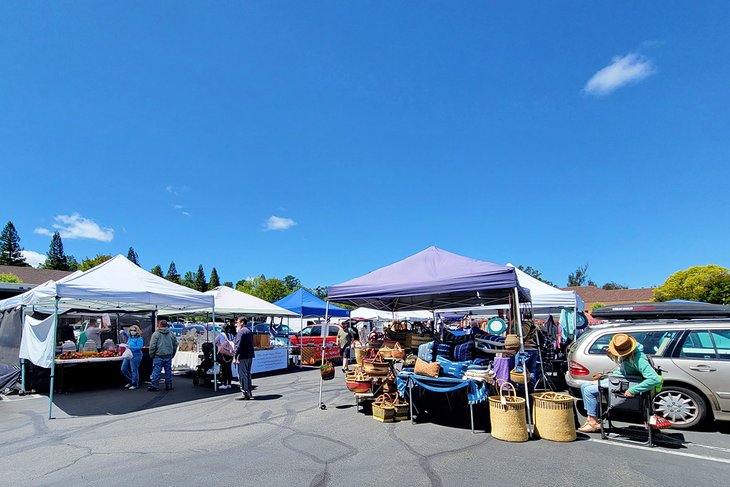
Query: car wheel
[683, 407]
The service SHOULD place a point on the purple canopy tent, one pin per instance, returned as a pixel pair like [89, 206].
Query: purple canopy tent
[433, 279]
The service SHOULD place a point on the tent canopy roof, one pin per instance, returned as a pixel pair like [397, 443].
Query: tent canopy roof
[304, 303]
[230, 301]
[117, 284]
[379, 315]
[430, 279]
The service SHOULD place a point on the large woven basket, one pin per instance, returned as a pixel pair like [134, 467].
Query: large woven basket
[383, 409]
[360, 353]
[507, 414]
[375, 367]
[398, 352]
[553, 416]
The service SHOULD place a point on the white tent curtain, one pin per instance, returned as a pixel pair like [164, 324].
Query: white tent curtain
[36, 343]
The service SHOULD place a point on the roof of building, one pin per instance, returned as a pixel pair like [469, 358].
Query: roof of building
[30, 275]
[592, 294]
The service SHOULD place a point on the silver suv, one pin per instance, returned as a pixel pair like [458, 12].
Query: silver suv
[694, 357]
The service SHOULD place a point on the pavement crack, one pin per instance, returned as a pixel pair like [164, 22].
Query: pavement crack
[423, 461]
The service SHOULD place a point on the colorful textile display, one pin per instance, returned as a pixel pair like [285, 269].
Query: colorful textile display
[476, 390]
[425, 351]
[501, 367]
[451, 368]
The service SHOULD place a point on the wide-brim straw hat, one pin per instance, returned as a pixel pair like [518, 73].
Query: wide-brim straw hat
[622, 345]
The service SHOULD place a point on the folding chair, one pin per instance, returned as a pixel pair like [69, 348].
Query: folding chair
[616, 401]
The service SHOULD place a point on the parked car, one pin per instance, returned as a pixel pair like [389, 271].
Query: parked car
[693, 355]
[281, 331]
[311, 336]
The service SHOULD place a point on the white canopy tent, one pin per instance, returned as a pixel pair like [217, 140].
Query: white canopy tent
[230, 301]
[378, 315]
[114, 285]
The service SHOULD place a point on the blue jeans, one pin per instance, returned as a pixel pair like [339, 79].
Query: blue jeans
[130, 368]
[590, 396]
[157, 366]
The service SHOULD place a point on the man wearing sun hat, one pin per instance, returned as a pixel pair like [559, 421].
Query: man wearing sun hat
[632, 362]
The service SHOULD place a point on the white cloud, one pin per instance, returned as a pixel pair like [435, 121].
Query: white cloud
[76, 226]
[623, 70]
[33, 258]
[279, 223]
[186, 213]
[178, 207]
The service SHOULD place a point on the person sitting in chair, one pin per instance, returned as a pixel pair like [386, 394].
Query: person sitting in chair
[632, 362]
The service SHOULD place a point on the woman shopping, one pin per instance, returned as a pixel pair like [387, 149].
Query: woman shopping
[225, 349]
[631, 361]
[130, 366]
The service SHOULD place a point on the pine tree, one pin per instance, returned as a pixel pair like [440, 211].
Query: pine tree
[73, 264]
[132, 256]
[172, 274]
[56, 258]
[10, 249]
[200, 283]
[214, 281]
[157, 270]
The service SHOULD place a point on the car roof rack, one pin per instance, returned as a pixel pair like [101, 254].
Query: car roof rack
[677, 309]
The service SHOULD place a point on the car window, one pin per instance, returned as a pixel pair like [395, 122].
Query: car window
[333, 331]
[654, 342]
[698, 345]
[307, 331]
[722, 343]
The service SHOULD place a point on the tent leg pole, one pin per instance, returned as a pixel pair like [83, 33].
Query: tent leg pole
[410, 398]
[518, 322]
[325, 330]
[22, 377]
[215, 358]
[471, 413]
[53, 359]
[301, 345]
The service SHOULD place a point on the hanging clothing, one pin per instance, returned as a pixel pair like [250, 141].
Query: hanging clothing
[567, 324]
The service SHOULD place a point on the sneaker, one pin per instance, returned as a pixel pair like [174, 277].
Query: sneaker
[131, 388]
[242, 397]
[128, 386]
[152, 389]
[250, 395]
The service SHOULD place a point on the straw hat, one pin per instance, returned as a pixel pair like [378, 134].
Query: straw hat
[622, 345]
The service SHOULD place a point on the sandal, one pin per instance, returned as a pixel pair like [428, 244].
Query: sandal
[590, 428]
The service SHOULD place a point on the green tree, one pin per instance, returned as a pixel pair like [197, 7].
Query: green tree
[250, 285]
[10, 249]
[596, 306]
[717, 290]
[612, 286]
[272, 290]
[132, 256]
[172, 274]
[320, 292]
[188, 280]
[56, 258]
[73, 264]
[88, 263]
[579, 277]
[292, 283]
[228, 284]
[11, 278]
[157, 270]
[214, 280]
[690, 283]
[531, 271]
[200, 283]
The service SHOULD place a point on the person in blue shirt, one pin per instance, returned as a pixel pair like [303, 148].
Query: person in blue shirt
[130, 366]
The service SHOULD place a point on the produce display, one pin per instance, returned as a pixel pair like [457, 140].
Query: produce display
[83, 355]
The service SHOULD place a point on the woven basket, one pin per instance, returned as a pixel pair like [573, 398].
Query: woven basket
[358, 386]
[327, 371]
[517, 377]
[402, 408]
[553, 416]
[398, 351]
[507, 414]
[375, 367]
[360, 353]
[383, 409]
[385, 352]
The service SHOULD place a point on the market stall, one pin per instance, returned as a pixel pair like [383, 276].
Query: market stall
[231, 303]
[113, 286]
[435, 279]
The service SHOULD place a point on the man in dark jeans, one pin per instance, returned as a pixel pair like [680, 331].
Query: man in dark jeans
[163, 346]
[243, 358]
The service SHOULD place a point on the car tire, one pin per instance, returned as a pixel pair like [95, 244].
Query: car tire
[683, 407]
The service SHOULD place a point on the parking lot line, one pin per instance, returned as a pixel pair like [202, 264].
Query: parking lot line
[662, 450]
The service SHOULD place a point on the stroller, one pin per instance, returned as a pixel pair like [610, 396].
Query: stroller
[204, 372]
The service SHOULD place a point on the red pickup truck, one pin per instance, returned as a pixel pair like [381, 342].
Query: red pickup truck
[311, 343]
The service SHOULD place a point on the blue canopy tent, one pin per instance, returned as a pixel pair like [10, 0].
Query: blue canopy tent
[307, 304]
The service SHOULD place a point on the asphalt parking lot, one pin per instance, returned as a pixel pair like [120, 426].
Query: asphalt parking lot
[190, 436]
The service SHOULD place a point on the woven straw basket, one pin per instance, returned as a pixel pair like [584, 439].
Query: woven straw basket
[360, 353]
[507, 414]
[553, 416]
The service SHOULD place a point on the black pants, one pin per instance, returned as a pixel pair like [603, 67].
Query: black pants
[226, 374]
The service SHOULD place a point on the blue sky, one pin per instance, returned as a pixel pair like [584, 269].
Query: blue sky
[551, 134]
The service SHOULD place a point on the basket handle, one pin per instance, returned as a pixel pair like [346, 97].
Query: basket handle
[502, 384]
